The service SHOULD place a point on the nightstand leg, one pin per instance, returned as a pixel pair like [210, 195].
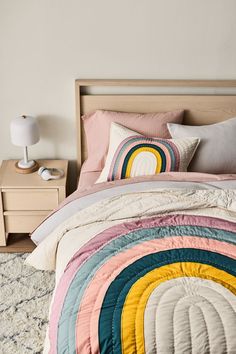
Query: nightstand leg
[2, 226]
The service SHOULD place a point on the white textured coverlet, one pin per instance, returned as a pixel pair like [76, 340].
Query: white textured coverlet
[110, 211]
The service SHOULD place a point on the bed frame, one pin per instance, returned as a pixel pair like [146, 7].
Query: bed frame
[207, 108]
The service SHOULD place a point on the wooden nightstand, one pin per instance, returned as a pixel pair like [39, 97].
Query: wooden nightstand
[26, 199]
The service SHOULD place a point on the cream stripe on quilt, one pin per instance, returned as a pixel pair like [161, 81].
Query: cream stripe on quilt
[180, 303]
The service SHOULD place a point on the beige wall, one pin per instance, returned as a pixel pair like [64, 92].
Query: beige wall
[46, 44]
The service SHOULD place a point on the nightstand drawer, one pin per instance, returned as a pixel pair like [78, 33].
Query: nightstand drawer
[23, 223]
[29, 199]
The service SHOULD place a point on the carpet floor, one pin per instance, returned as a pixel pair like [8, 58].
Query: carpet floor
[25, 295]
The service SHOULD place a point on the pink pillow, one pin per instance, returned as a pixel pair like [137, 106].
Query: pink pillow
[87, 179]
[97, 131]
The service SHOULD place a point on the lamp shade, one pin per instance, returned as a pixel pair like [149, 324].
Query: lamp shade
[24, 131]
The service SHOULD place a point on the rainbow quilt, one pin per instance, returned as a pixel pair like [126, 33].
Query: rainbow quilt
[144, 272]
[157, 285]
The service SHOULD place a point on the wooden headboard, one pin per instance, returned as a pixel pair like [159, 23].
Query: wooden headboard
[199, 108]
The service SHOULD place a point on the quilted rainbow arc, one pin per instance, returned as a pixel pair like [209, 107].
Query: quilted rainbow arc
[163, 284]
[151, 155]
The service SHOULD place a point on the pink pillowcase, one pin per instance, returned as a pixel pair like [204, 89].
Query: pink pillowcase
[87, 179]
[97, 131]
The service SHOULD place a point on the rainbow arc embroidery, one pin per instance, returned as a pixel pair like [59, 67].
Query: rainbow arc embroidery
[139, 155]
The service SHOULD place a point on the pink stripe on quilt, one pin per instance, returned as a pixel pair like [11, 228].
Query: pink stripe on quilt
[98, 241]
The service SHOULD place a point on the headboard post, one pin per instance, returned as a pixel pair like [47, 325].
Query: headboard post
[78, 123]
[199, 108]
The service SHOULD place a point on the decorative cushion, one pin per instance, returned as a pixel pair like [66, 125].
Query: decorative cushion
[97, 129]
[217, 150]
[131, 154]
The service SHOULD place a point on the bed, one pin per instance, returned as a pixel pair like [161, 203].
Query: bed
[144, 264]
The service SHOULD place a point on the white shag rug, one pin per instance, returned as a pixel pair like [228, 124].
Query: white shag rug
[25, 295]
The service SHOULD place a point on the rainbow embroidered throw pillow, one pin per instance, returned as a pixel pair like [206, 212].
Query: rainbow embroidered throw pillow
[131, 154]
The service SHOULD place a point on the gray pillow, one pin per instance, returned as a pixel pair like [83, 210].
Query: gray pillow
[216, 152]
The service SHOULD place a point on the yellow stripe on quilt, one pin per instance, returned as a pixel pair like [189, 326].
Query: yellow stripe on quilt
[132, 321]
[138, 151]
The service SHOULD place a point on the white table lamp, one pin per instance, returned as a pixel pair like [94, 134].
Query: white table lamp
[25, 132]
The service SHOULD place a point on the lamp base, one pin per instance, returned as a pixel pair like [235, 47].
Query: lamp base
[31, 167]
[28, 164]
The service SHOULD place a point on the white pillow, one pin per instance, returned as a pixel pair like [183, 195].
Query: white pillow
[131, 154]
[217, 150]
